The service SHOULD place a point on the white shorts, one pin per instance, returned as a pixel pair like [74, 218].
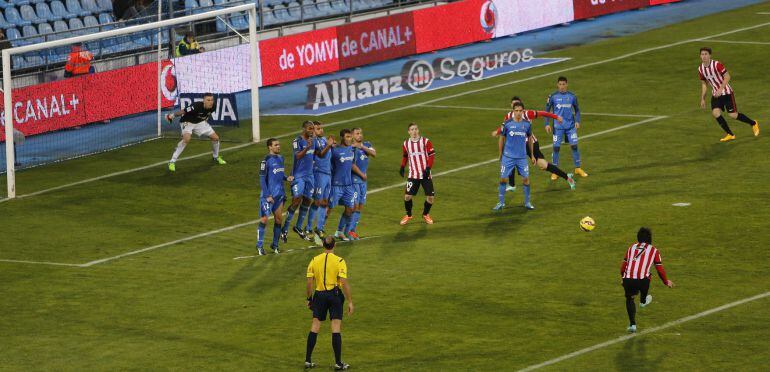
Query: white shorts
[200, 129]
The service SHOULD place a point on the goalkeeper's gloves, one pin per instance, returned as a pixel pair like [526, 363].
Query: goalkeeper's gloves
[401, 172]
[426, 173]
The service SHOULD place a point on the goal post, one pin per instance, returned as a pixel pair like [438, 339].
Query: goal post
[124, 33]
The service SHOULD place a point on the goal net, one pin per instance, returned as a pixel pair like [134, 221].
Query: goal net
[117, 84]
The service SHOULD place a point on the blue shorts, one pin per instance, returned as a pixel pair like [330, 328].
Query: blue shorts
[360, 189]
[302, 187]
[266, 208]
[508, 164]
[343, 195]
[562, 134]
[323, 186]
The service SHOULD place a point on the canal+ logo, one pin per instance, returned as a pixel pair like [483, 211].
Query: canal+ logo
[488, 16]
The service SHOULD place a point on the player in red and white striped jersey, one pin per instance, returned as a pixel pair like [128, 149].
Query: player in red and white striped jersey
[635, 272]
[712, 72]
[419, 154]
[543, 164]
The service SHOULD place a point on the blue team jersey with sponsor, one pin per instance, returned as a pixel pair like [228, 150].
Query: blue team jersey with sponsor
[342, 165]
[361, 161]
[302, 167]
[322, 164]
[565, 105]
[516, 134]
[271, 177]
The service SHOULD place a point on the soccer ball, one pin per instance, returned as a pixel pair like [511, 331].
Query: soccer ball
[587, 224]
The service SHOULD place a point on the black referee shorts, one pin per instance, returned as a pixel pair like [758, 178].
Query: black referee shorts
[634, 286]
[328, 302]
[413, 185]
[725, 102]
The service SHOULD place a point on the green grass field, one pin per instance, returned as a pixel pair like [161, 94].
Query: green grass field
[476, 291]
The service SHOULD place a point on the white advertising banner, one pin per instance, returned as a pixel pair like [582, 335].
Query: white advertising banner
[516, 16]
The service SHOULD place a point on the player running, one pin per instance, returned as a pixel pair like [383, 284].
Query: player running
[540, 158]
[419, 153]
[343, 191]
[302, 186]
[363, 150]
[195, 120]
[322, 174]
[272, 195]
[562, 103]
[712, 72]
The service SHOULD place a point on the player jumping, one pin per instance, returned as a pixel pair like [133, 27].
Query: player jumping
[714, 73]
[419, 153]
[272, 195]
[195, 120]
[302, 186]
[563, 102]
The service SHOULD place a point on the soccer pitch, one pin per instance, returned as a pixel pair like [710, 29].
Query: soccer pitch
[143, 269]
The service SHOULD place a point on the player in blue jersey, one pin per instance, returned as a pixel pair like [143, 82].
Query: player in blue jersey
[343, 191]
[302, 186]
[565, 104]
[322, 173]
[516, 147]
[272, 195]
[362, 151]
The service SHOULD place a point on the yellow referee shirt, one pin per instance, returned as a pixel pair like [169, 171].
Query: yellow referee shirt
[325, 269]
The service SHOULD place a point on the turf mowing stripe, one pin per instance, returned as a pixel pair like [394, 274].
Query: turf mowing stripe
[557, 72]
[644, 332]
[252, 222]
[505, 109]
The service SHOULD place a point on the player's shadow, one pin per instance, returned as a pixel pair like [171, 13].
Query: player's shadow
[634, 356]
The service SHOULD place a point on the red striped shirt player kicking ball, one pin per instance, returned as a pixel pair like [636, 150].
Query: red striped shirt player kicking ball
[635, 271]
[712, 72]
[419, 153]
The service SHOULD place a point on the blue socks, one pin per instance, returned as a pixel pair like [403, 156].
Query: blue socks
[556, 155]
[260, 234]
[501, 193]
[276, 235]
[526, 194]
[343, 221]
[576, 156]
[356, 218]
[311, 217]
[288, 219]
[321, 218]
[348, 223]
[301, 218]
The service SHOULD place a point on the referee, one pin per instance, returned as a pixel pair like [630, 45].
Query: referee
[329, 272]
[635, 271]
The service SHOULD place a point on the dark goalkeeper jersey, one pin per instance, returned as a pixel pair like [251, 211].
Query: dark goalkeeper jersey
[195, 113]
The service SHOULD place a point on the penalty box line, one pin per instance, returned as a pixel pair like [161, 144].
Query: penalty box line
[417, 105]
[374, 191]
[646, 331]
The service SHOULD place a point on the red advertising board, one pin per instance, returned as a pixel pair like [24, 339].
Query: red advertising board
[658, 2]
[86, 99]
[594, 8]
[299, 56]
[376, 40]
[453, 24]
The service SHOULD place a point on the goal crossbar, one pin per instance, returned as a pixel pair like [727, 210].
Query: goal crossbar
[8, 83]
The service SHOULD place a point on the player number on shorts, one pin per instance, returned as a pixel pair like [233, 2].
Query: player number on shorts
[409, 185]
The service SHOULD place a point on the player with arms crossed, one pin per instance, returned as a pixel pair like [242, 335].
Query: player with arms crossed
[195, 120]
[516, 145]
[343, 191]
[563, 102]
[543, 164]
[712, 72]
[272, 195]
[419, 153]
[635, 271]
[322, 174]
[302, 186]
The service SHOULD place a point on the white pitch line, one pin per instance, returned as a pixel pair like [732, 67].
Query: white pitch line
[41, 263]
[306, 248]
[396, 185]
[646, 331]
[402, 108]
[740, 42]
[507, 109]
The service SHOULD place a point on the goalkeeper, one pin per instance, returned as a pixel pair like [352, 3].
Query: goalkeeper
[195, 120]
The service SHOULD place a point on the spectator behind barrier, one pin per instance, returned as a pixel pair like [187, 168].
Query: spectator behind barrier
[4, 43]
[188, 45]
[78, 62]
